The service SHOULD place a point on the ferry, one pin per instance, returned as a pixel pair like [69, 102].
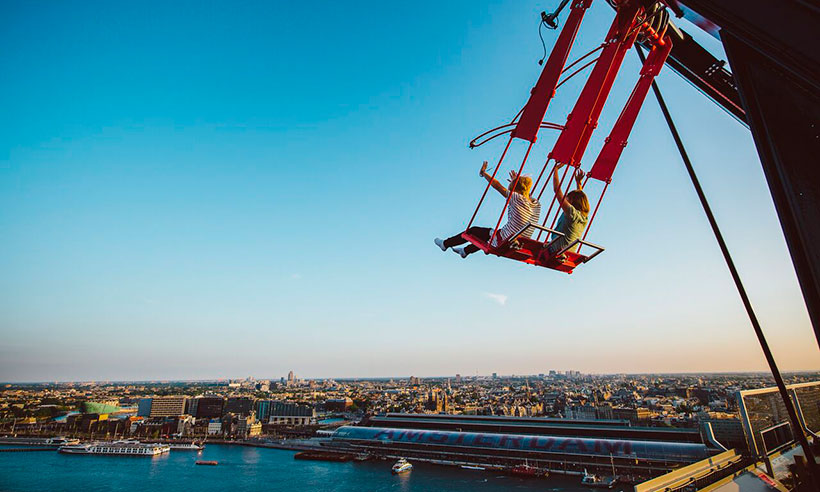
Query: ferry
[402, 466]
[599, 481]
[473, 467]
[117, 448]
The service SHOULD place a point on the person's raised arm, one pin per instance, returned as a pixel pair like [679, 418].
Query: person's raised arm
[579, 175]
[493, 182]
[556, 187]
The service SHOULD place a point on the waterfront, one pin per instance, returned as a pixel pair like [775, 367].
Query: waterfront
[246, 468]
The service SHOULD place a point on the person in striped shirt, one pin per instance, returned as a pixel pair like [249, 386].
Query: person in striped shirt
[522, 210]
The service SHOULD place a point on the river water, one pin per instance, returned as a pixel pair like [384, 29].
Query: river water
[247, 469]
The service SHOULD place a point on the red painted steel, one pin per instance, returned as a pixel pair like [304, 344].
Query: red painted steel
[544, 90]
[616, 141]
[486, 188]
[593, 96]
[531, 252]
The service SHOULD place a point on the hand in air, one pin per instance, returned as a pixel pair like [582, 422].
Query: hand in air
[579, 174]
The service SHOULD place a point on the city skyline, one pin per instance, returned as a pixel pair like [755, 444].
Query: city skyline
[444, 377]
[155, 163]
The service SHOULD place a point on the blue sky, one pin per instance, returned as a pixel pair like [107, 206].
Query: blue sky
[222, 189]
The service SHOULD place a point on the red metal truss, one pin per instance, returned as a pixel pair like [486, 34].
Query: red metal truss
[544, 90]
[616, 141]
[583, 119]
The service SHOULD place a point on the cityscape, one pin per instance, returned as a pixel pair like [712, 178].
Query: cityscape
[289, 406]
[642, 427]
[499, 246]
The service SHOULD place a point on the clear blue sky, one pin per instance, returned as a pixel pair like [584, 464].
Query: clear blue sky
[222, 189]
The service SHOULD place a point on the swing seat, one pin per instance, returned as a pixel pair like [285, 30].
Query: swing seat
[534, 252]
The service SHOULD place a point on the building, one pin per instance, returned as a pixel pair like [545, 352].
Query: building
[553, 453]
[192, 405]
[214, 427]
[291, 378]
[144, 407]
[168, 406]
[285, 413]
[338, 404]
[263, 410]
[239, 405]
[209, 407]
[583, 412]
[604, 412]
[634, 415]
[436, 401]
[247, 427]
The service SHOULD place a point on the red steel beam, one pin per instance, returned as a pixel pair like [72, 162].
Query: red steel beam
[544, 90]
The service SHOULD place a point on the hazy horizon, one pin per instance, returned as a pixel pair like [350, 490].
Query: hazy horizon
[189, 191]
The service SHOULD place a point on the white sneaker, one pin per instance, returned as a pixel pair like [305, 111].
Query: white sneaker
[440, 243]
[460, 252]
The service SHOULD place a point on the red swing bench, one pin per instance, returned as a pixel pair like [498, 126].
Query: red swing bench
[534, 252]
[631, 21]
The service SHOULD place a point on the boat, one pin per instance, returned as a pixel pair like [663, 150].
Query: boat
[402, 466]
[60, 441]
[527, 470]
[473, 467]
[186, 446]
[207, 462]
[323, 456]
[117, 448]
[599, 481]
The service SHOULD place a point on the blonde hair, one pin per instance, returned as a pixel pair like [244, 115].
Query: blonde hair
[524, 184]
[579, 200]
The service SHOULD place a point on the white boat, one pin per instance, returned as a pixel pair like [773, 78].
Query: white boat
[186, 446]
[117, 448]
[599, 481]
[473, 467]
[60, 441]
[402, 466]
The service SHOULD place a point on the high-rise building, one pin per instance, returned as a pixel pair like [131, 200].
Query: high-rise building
[168, 406]
[458, 378]
[495, 375]
[291, 378]
[144, 407]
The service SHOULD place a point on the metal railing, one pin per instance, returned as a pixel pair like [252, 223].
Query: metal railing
[598, 249]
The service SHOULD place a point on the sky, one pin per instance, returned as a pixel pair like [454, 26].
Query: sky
[197, 190]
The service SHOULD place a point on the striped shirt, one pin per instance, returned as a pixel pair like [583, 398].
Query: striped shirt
[520, 212]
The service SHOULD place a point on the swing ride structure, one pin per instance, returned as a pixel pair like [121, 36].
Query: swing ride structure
[773, 90]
